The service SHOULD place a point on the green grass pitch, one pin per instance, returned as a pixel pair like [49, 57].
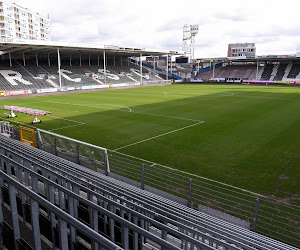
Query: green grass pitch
[246, 136]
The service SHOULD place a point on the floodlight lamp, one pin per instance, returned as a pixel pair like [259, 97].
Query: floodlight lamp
[194, 29]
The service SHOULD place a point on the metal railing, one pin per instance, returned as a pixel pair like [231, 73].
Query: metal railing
[235, 205]
[85, 195]
[224, 201]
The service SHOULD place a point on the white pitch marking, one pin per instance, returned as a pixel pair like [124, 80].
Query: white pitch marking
[116, 106]
[180, 171]
[166, 116]
[173, 131]
[81, 123]
[130, 110]
[269, 97]
[197, 94]
[66, 127]
[95, 106]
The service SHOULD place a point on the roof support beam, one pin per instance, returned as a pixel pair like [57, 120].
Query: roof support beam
[49, 59]
[257, 63]
[10, 64]
[36, 59]
[167, 68]
[104, 60]
[24, 59]
[79, 58]
[59, 73]
[141, 68]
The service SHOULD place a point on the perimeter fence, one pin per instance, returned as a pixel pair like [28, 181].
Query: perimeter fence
[256, 212]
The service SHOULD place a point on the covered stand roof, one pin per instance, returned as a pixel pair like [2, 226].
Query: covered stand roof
[264, 58]
[30, 48]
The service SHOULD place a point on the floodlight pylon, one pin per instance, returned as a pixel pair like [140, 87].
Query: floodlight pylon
[188, 41]
[298, 49]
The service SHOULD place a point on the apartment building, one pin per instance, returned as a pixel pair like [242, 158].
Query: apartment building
[241, 49]
[17, 22]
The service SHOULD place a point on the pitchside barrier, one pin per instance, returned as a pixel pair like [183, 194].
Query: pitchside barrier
[244, 208]
[82, 153]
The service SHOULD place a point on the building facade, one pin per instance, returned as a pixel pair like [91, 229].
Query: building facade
[241, 49]
[17, 22]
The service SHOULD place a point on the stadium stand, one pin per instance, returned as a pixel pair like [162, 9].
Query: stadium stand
[56, 199]
[269, 72]
[35, 76]
[280, 71]
[236, 71]
[294, 72]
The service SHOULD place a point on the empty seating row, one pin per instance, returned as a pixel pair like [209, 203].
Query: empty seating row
[249, 71]
[34, 76]
[131, 216]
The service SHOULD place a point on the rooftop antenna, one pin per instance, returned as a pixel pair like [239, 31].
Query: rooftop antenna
[188, 41]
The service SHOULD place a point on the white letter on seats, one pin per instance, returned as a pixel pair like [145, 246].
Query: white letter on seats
[13, 76]
[63, 71]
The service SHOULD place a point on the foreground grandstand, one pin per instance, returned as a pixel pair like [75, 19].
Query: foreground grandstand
[50, 202]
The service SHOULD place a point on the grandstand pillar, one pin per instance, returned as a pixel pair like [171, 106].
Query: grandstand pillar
[171, 64]
[98, 60]
[153, 62]
[59, 73]
[141, 68]
[36, 59]
[114, 60]
[9, 55]
[79, 58]
[128, 60]
[89, 60]
[70, 60]
[167, 68]
[104, 66]
[48, 59]
[121, 61]
[257, 70]
[24, 59]
[214, 64]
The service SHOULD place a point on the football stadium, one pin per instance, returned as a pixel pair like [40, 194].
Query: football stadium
[101, 149]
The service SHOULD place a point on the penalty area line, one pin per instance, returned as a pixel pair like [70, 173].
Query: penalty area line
[154, 137]
[67, 127]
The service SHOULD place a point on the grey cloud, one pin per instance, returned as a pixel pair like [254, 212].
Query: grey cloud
[231, 16]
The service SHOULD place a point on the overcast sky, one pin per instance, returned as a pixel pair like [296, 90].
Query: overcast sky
[273, 25]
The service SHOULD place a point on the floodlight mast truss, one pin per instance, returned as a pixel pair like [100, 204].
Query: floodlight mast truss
[298, 49]
[188, 41]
